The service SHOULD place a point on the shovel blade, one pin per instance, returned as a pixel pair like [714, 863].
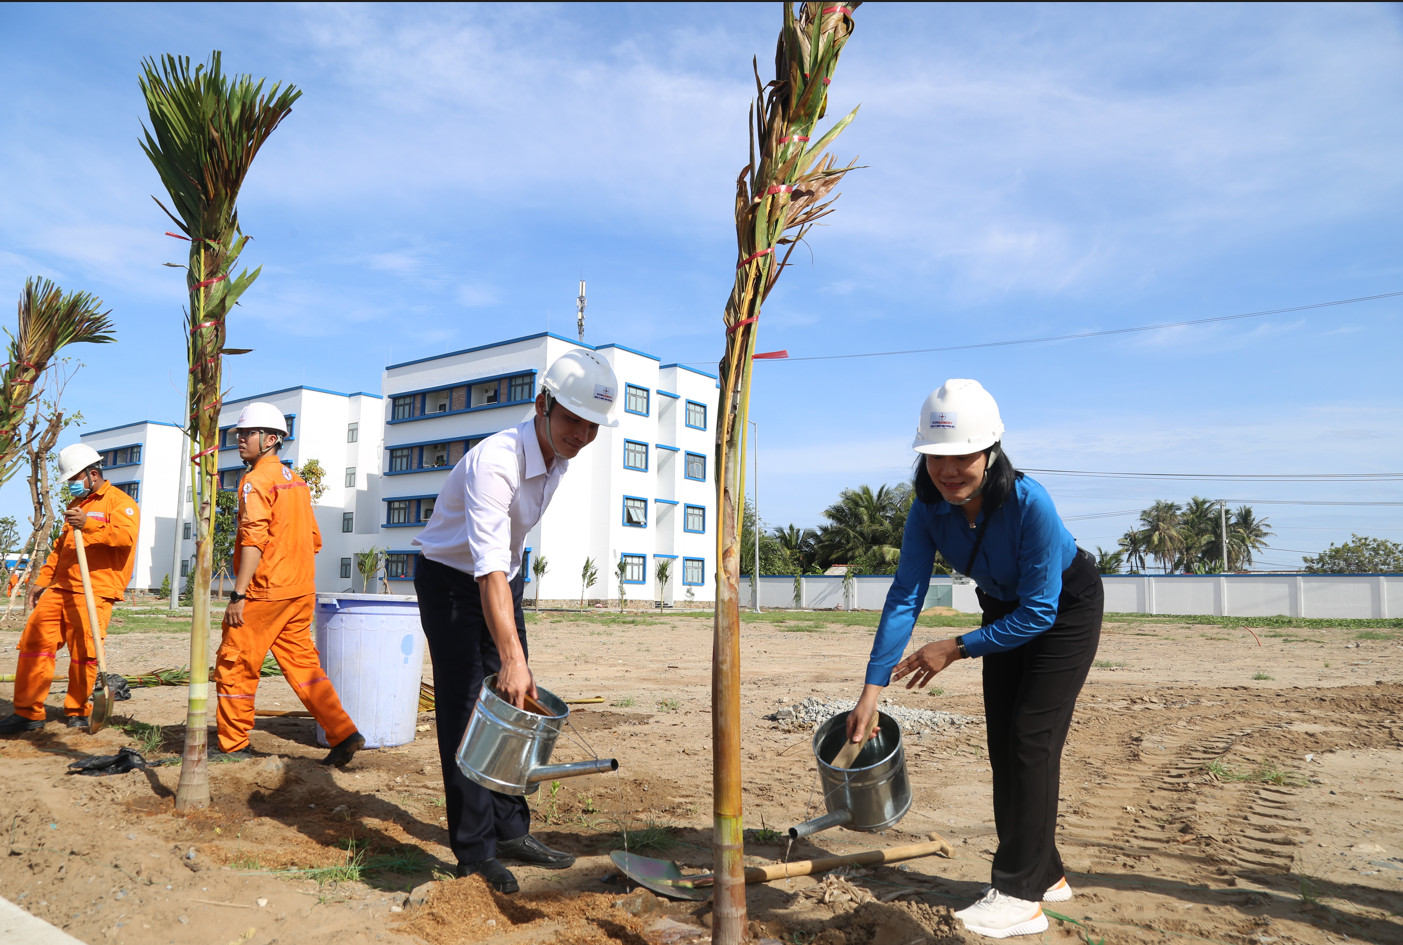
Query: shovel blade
[102, 705]
[662, 876]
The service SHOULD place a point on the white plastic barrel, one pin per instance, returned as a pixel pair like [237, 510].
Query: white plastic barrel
[372, 648]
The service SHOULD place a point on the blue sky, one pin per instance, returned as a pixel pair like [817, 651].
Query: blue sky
[1031, 171]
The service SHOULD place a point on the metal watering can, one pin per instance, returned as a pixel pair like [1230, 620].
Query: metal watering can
[506, 749]
[871, 795]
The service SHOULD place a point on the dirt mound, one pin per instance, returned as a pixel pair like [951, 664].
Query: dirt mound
[463, 911]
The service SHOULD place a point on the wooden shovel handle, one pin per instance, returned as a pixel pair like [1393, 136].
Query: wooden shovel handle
[763, 874]
[88, 599]
[847, 755]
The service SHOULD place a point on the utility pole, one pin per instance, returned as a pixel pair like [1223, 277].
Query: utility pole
[755, 491]
[1223, 524]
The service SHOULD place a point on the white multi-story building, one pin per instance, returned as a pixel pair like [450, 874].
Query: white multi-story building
[143, 460]
[642, 493]
[343, 432]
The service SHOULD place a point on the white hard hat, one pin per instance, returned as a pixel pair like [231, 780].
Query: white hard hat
[74, 459]
[261, 416]
[584, 384]
[959, 417]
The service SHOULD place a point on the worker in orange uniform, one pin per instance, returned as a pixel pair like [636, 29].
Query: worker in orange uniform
[107, 516]
[274, 595]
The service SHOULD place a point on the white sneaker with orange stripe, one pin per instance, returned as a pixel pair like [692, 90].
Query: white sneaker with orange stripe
[1058, 892]
[1001, 916]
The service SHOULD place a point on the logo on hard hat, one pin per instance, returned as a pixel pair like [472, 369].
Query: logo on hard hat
[942, 420]
[606, 394]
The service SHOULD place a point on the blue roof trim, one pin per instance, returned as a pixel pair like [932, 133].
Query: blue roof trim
[404, 498]
[285, 390]
[488, 347]
[666, 501]
[641, 354]
[668, 393]
[664, 446]
[692, 369]
[135, 423]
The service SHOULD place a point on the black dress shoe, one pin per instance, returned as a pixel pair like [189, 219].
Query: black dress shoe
[14, 724]
[345, 750]
[77, 721]
[497, 876]
[527, 849]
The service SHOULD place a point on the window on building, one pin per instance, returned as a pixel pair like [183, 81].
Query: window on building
[635, 511]
[397, 512]
[184, 567]
[291, 425]
[693, 571]
[484, 394]
[189, 493]
[227, 439]
[636, 399]
[132, 489]
[526, 565]
[438, 401]
[352, 432]
[350, 477]
[695, 520]
[696, 415]
[635, 455]
[345, 567]
[696, 467]
[348, 521]
[401, 459]
[426, 509]
[185, 532]
[436, 455]
[635, 568]
[402, 408]
[229, 478]
[399, 566]
[520, 387]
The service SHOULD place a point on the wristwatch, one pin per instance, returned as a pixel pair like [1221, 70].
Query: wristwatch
[960, 647]
[235, 597]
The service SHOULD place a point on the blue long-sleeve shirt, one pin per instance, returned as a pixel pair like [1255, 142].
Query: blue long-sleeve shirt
[1025, 550]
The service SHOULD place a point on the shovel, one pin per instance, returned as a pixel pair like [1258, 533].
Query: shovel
[665, 877]
[102, 696]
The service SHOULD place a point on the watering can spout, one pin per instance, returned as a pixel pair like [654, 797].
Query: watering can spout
[572, 770]
[836, 819]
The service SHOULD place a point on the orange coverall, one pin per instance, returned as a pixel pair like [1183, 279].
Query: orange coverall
[275, 515]
[61, 616]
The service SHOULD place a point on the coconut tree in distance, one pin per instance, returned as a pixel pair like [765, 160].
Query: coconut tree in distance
[784, 188]
[539, 567]
[205, 130]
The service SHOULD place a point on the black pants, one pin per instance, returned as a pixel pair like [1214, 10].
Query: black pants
[1029, 695]
[463, 655]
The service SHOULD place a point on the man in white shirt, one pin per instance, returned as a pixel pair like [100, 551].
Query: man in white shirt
[469, 583]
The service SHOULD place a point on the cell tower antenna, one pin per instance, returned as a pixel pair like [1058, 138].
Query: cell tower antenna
[580, 302]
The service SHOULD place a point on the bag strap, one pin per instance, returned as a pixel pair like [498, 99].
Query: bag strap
[978, 541]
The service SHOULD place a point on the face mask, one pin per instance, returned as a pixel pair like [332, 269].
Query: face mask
[78, 490]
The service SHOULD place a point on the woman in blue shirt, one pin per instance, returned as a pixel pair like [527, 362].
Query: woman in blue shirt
[1042, 601]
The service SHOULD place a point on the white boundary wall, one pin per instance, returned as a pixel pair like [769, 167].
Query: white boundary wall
[1357, 596]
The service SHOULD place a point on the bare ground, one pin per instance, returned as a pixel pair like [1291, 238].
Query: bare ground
[1214, 790]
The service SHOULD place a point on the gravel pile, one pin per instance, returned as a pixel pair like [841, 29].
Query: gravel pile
[813, 712]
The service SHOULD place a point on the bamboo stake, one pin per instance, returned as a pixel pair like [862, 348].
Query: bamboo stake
[784, 188]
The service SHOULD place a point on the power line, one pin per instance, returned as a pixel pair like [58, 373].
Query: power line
[1089, 334]
[1225, 477]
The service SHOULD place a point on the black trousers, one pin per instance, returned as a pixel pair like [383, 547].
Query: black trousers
[1029, 695]
[463, 655]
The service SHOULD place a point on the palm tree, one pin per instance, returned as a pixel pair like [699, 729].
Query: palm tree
[588, 575]
[538, 571]
[863, 522]
[1161, 532]
[1246, 534]
[1199, 532]
[787, 185]
[48, 320]
[1133, 544]
[799, 545]
[205, 131]
[663, 572]
[621, 569]
[1109, 562]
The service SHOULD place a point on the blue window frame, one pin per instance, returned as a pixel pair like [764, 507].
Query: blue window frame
[348, 522]
[635, 455]
[693, 571]
[521, 387]
[132, 489]
[476, 394]
[696, 467]
[695, 519]
[400, 565]
[408, 510]
[121, 456]
[635, 569]
[696, 415]
[345, 568]
[635, 511]
[636, 399]
[428, 457]
[526, 565]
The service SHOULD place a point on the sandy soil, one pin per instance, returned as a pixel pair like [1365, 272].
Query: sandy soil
[1163, 841]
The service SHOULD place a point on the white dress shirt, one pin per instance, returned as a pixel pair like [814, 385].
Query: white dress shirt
[492, 498]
